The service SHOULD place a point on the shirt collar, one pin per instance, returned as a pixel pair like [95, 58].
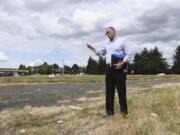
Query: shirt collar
[115, 38]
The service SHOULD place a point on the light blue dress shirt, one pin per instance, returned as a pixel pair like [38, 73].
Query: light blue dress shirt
[115, 47]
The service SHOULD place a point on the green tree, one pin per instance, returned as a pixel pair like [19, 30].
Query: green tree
[22, 67]
[30, 70]
[55, 68]
[101, 69]
[150, 62]
[43, 69]
[49, 69]
[92, 66]
[140, 60]
[67, 69]
[75, 69]
[176, 61]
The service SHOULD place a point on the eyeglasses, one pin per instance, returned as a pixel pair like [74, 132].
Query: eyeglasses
[107, 32]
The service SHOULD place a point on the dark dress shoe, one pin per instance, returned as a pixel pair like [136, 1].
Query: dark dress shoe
[108, 115]
[125, 115]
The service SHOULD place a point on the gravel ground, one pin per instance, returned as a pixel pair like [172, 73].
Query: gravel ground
[18, 96]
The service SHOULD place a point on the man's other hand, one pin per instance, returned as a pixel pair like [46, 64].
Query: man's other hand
[119, 65]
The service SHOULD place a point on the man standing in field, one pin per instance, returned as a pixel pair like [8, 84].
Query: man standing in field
[118, 56]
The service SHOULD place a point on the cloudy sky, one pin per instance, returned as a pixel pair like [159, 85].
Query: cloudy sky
[35, 31]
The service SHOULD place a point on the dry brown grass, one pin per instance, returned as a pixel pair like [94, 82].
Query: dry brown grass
[152, 112]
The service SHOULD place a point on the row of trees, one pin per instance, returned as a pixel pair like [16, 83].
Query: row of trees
[149, 62]
[41, 69]
[152, 62]
[145, 62]
[45, 68]
[96, 67]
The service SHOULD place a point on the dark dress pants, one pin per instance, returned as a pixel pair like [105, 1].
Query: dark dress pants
[115, 78]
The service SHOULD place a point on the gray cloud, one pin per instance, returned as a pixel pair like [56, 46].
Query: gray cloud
[158, 24]
[12, 7]
[10, 26]
[76, 26]
[46, 5]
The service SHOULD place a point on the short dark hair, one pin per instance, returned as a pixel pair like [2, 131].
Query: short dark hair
[112, 28]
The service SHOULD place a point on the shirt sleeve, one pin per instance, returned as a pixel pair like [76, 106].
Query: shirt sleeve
[100, 51]
[127, 52]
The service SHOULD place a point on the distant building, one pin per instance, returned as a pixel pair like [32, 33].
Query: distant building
[12, 72]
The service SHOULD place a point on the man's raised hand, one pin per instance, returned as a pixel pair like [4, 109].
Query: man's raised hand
[90, 47]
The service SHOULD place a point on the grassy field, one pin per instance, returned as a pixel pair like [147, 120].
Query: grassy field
[153, 110]
[76, 79]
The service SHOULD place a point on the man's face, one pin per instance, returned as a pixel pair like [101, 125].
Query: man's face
[110, 33]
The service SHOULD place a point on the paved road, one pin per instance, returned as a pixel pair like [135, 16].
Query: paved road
[49, 94]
